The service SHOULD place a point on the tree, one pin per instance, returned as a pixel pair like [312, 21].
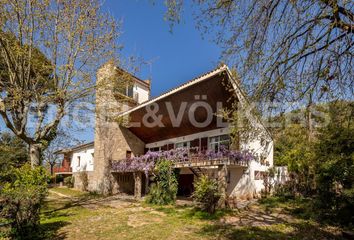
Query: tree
[62, 140]
[283, 50]
[50, 158]
[13, 154]
[49, 54]
[294, 150]
[335, 163]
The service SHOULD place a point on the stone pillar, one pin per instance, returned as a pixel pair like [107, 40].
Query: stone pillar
[222, 184]
[146, 184]
[137, 184]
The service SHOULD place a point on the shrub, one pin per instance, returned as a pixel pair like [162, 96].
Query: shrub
[69, 182]
[23, 199]
[284, 190]
[346, 207]
[206, 193]
[164, 190]
[59, 178]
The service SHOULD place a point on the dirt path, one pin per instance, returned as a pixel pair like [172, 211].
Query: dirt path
[59, 194]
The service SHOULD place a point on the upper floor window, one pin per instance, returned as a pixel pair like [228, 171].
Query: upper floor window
[127, 91]
[218, 142]
[182, 145]
[78, 161]
[155, 149]
[92, 155]
[130, 91]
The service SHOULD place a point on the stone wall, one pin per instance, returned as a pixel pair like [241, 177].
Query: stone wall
[112, 140]
[78, 180]
[123, 183]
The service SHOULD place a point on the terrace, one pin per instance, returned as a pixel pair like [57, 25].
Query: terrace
[183, 158]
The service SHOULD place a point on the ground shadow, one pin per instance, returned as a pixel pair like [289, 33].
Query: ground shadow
[43, 232]
[51, 231]
[189, 211]
[298, 231]
[85, 201]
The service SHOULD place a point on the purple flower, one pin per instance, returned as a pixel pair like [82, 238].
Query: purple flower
[146, 163]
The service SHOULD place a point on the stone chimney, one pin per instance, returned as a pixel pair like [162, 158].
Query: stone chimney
[112, 140]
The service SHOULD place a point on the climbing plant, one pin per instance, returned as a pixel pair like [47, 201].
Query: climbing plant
[164, 190]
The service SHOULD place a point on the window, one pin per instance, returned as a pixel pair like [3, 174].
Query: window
[128, 155]
[259, 175]
[78, 161]
[130, 91]
[182, 145]
[263, 142]
[155, 149]
[216, 143]
[92, 154]
[127, 91]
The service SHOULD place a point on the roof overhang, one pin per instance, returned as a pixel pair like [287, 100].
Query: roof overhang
[75, 148]
[188, 109]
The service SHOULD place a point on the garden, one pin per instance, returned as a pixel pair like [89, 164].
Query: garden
[63, 212]
[72, 214]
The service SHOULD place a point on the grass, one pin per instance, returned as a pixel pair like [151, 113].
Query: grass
[85, 216]
[69, 192]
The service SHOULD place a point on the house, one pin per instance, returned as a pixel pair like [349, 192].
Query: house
[75, 159]
[188, 117]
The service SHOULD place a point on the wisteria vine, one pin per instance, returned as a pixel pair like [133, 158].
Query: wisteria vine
[146, 162]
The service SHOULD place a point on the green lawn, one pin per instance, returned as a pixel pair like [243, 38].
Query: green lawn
[83, 216]
[69, 192]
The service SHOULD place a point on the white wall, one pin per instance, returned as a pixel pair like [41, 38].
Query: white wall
[242, 180]
[211, 133]
[86, 159]
[262, 147]
[142, 91]
[281, 175]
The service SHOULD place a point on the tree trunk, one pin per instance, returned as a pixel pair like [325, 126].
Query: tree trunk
[51, 169]
[309, 118]
[35, 155]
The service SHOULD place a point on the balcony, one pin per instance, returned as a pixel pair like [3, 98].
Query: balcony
[209, 162]
[62, 169]
[183, 157]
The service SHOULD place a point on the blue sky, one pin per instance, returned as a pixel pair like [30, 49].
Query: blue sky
[176, 57]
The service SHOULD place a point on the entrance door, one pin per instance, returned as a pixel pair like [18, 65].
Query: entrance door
[185, 185]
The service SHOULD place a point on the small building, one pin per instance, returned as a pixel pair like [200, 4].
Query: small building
[76, 159]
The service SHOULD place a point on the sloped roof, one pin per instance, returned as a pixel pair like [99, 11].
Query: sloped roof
[223, 68]
[176, 89]
[144, 82]
[77, 147]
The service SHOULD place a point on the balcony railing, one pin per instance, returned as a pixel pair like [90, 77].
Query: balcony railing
[62, 169]
[183, 157]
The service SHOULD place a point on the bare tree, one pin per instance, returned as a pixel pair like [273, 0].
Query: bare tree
[49, 54]
[283, 49]
[63, 140]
